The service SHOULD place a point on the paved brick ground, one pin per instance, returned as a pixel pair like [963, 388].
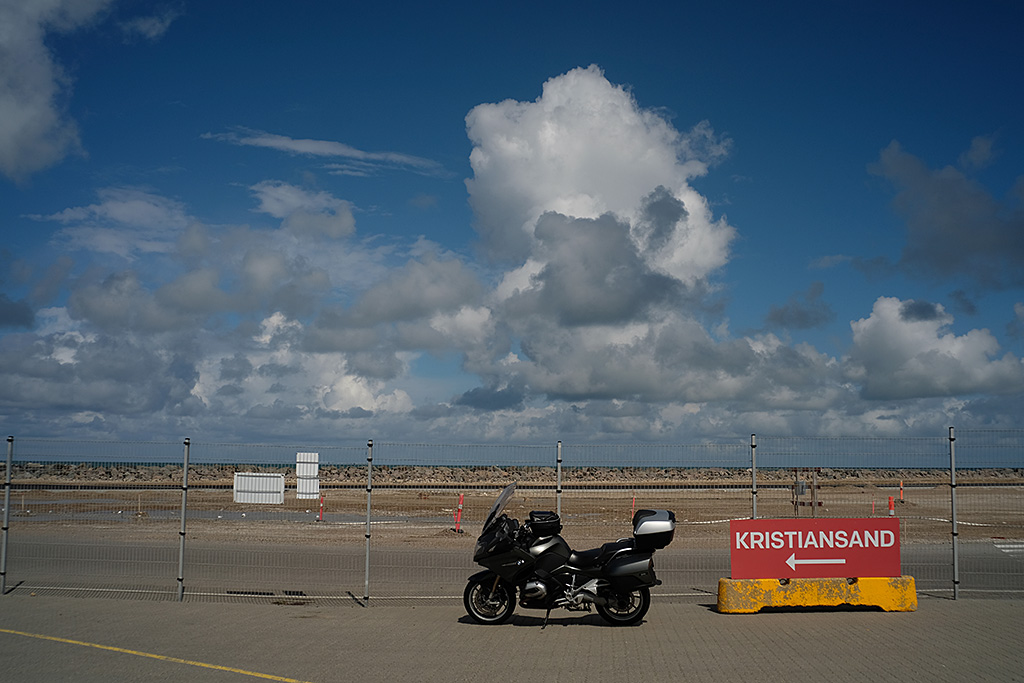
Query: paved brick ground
[133, 640]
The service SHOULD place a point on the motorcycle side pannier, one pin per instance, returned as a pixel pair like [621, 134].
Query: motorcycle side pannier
[544, 523]
[653, 529]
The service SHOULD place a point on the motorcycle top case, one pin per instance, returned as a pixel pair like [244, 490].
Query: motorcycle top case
[544, 523]
[653, 529]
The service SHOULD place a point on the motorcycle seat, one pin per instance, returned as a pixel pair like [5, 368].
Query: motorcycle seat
[598, 556]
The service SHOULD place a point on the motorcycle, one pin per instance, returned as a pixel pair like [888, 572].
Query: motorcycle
[534, 562]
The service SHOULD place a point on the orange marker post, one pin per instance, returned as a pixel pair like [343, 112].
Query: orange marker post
[892, 506]
[458, 515]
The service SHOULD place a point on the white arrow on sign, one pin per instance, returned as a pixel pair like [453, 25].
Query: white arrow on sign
[793, 562]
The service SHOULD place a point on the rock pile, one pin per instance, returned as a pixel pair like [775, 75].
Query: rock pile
[409, 475]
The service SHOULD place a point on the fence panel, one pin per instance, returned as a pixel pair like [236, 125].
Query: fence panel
[416, 551]
[295, 549]
[990, 509]
[904, 477]
[95, 516]
[858, 477]
[705, 485]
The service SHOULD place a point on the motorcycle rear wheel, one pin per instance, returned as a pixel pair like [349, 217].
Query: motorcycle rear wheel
[487, 602]
[625, 609]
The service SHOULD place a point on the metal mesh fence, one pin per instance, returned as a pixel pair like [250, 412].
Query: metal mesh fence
[107, 516]
[422, 546]
[95, 516]
[990, 509]
[706, 485]
[253, 531]
[859, 477]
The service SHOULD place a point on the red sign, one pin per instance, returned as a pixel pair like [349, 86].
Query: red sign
[814, 548]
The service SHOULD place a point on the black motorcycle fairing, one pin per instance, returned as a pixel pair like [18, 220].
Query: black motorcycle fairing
[498, 551]
[499, 535]
[550, 553]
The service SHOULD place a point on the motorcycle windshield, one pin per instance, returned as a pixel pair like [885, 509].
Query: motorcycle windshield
[503, 498]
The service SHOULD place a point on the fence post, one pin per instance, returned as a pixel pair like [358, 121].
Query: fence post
[952, 505]
[369, 492]
[753, 476]
[181, 534]
[7, 516]
[558, 479]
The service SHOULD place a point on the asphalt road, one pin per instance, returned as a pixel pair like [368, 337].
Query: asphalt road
[89, 640]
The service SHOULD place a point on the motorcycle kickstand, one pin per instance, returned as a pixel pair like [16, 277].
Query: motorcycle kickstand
[545, 619]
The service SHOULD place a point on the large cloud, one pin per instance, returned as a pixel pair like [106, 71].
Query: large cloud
[585, 148]
[267, 375]
[905, 350]
[72, 373]
[587, 194]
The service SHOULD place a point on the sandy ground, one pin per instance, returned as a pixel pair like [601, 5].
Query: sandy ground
[425, 513]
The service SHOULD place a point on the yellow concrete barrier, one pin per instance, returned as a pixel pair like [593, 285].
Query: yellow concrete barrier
[892, 594]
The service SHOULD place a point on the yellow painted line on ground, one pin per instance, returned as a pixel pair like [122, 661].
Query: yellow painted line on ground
[163, 658]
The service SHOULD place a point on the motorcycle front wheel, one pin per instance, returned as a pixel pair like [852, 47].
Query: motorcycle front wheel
[488, 600]
[625, 609]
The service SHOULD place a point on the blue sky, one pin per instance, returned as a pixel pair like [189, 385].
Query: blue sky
[666, 223]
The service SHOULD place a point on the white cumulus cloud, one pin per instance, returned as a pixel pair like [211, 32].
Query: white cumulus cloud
[585, 147]
[905, 349]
